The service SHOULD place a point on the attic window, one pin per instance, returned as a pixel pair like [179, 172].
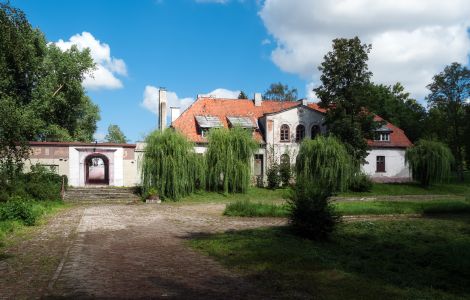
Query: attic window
[383, 134]
[208, 122]
[243, 122]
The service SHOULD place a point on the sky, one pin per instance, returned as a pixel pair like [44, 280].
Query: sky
[220, 47]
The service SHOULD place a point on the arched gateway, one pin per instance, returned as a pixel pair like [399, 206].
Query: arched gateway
[97, 169]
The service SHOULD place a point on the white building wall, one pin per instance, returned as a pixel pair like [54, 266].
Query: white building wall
[395, 167]
[118, 167]
[74, 167]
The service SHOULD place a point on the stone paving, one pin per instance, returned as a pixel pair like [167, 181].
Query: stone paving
[126, 251]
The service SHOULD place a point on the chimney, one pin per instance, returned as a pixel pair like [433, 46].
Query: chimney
[258, 99]
[162, 108]
[304, 102]
[175, 113]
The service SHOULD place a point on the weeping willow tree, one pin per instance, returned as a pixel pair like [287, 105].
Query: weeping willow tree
[323, 166]
[429, 162]
[228, 160]
[170, 165]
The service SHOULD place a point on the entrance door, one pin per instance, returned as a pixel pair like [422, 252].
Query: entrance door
[97, 169]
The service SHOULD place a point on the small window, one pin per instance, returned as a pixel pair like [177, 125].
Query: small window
[315, 131]
[204, 132]
[258, 167]
[380, 164]
[299, 133]
[382, 136]
[285, 132]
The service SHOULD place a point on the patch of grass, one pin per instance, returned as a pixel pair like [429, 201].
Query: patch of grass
[425, 259]
[246, 208]
[453, 187]
[253, 194]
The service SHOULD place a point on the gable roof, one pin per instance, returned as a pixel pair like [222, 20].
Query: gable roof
[223, 108]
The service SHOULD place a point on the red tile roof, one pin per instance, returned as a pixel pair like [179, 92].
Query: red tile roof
[82, 144]
[222, 108]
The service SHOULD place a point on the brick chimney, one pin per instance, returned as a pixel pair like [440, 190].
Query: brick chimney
[162, 108]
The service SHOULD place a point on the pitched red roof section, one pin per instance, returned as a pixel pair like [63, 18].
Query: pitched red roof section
[398, 138]
[81, 144]
[222, 108]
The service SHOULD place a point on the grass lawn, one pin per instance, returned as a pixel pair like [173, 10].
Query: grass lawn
[453, 187]
[426, 259]
[254, 194]
[9, 227]
[256, 209]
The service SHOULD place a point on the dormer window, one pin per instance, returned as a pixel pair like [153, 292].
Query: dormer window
[205, 123]
[383, 134]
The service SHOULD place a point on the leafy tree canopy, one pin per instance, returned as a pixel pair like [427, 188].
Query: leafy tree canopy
[115, 135]
[345, 75]
[450, 91]
[242, 95]
[280, 92]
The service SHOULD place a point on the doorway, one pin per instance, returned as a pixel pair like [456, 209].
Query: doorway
[97, 169]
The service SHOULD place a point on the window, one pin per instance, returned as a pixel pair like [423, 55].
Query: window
[315, 131]
[299, 133]
[285, 132]
[204, 132]
[380, 164]
[383, 137]
[258, 167]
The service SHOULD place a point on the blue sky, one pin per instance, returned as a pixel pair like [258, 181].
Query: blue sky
[197, 46]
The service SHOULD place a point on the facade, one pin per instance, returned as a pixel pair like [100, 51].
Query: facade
[279, 127]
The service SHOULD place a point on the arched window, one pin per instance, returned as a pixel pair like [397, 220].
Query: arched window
[285, 132]
[315, 131]
[299, 133]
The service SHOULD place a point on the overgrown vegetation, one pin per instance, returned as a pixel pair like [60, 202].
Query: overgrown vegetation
[360, 182]
[429, 162]
[228, 159]
[323, 167]
[405, 259]
[246, 208]
[170, 165]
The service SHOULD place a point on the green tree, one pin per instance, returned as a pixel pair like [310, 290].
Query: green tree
[170, 166]
[115, 135]
[429, 162]
[229, 155]
[44, 82]
[280, 92]
[322, 168]
[242, 95]
[345, 75]
[450, 90]
[394, 104]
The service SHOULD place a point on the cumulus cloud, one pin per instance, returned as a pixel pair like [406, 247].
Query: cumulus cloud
[108, 67]
[411, 39]
[151, 98]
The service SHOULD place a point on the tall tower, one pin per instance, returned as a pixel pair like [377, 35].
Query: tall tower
[162, 108]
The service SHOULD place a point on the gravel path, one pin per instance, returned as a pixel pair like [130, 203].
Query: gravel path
[125, 251]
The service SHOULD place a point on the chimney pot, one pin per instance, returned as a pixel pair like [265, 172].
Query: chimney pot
[304, 102]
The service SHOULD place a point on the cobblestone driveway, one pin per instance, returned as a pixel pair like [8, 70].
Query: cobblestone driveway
[125, 251]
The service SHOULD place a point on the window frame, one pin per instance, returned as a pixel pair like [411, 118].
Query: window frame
[380, 164]
[298, 138]
[284, 133]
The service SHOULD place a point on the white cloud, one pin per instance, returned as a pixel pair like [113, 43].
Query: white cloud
[222, 93]
[151, 98]
[411, 39]
[107, 66]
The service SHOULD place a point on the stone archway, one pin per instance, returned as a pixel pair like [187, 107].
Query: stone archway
[96, 169]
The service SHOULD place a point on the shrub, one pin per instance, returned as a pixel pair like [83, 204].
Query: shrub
[429, 162]
[273, 177]
[322, 168]
[19, 209]
[360, 182]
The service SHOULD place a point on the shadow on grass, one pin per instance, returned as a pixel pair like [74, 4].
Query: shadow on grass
[427, 258]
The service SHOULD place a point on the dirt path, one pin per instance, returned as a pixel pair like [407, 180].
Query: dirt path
[125, 251]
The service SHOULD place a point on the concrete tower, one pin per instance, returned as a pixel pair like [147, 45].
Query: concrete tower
[162, 108]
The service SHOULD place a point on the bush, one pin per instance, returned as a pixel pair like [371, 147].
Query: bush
[273, 177]
[21, 210]
[360, 183]
[285, 171]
